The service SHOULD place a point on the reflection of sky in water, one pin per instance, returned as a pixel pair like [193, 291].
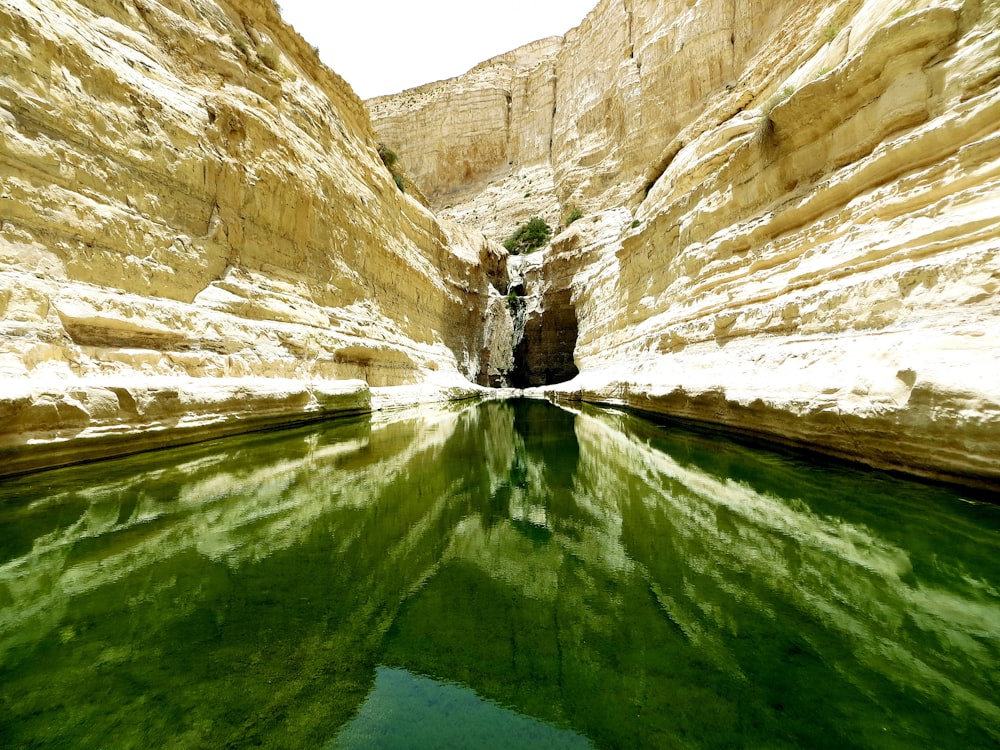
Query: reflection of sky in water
[593, 571]
[407, 711]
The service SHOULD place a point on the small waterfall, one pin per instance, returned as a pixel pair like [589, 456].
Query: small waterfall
[518, 307]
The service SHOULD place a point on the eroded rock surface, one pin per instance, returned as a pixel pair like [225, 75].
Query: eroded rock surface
[791, 226]
[187, 197]
[792, 220]
[480, 146]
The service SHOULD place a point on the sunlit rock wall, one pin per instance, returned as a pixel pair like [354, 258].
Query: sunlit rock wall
[187, 193]
[633, 74]
[792, 221]
[819, 261]
[579, 121]
[479, 146]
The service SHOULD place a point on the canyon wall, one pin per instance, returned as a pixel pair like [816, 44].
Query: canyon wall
[478, 144]
[578, 121]
[792, 220]
[791, 226]
[197, 235]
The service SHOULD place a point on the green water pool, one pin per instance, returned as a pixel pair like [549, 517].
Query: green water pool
[506, 574]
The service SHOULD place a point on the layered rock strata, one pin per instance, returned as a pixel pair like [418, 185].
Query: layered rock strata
[580, 120]
[187, 197]
[793, 223]
[822, 269]
[479, 146]
[791, 226]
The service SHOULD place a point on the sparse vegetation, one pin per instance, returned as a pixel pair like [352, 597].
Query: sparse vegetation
[265, 54]
[389, 157]
[530, 236]
[242, 43]
[268, 54]
[778, 98]
[636, 223]
[573, 213]
[391, 160]
[765, 129]
[830, 32]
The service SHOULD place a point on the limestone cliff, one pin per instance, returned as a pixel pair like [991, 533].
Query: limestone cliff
[491, 128]
[793, 217]
[197, 235]
[791, 226]
[574, 121]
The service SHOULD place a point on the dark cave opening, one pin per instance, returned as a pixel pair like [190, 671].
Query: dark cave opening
[544, 354]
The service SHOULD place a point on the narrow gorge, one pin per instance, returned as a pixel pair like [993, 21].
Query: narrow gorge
[787, 226]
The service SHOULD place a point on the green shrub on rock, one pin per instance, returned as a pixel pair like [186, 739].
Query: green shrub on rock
[573, 213]
[531, 235]
[391, 160]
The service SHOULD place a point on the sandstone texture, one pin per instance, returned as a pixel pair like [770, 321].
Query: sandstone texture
[790, 226]
[197, 233]
[792, 217]
[479, 146]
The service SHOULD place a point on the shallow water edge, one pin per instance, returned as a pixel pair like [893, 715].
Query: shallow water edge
[53, 424]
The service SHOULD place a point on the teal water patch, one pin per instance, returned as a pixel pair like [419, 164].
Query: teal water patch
[408, 711]
[509, 568]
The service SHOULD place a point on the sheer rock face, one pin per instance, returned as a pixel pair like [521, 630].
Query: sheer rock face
[574, 121]
[793, 221]
[792, 225]
[822, 268]
[188, 196]
[491, 127]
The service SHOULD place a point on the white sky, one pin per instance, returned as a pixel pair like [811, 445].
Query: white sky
[386, 46]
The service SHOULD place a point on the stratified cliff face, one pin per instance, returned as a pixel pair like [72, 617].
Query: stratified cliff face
[792, 225]
[581, 120]
[477, 145]
[793, 222]
[822, 267]
[197, 235]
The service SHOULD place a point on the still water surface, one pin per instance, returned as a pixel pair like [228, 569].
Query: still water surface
[503, 575]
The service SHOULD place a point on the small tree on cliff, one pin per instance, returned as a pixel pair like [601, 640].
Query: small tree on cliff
[391, 161]
[531, 235]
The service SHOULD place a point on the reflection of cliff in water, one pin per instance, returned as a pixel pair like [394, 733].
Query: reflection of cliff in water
[240, 588]
[590, 570]
[687, 588]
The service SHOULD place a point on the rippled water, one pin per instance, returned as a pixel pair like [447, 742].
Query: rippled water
[502, 575]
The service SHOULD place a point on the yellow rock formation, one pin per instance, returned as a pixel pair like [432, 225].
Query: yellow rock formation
[197, 236]
[791, 226]
[792, 219]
